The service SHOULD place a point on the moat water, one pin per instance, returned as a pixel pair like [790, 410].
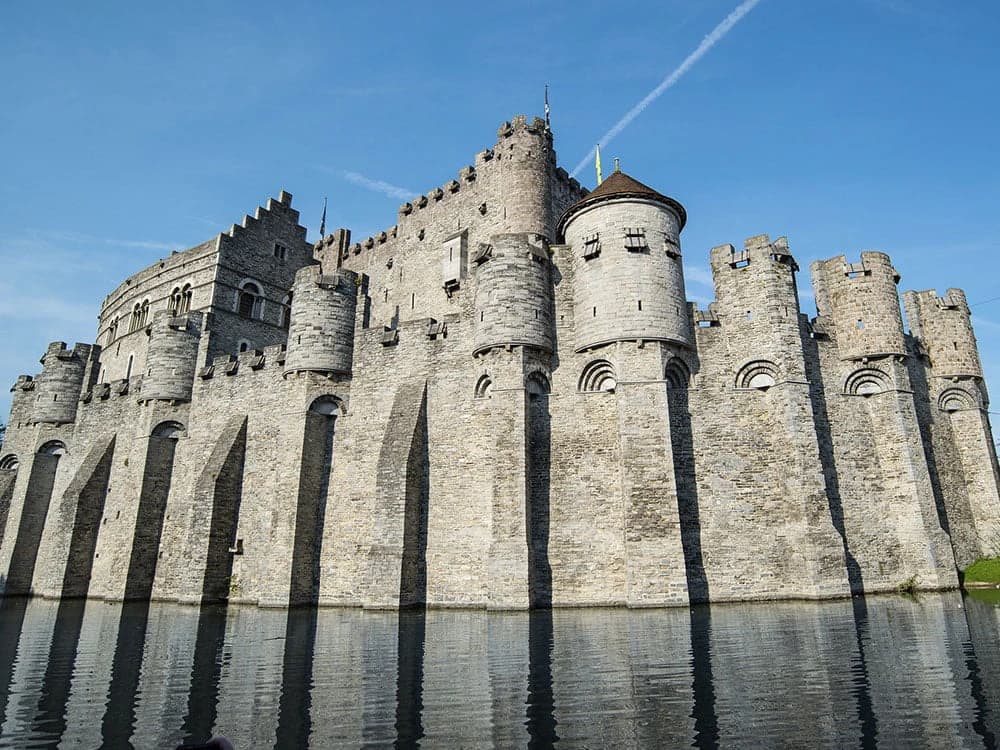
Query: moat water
[882, 671]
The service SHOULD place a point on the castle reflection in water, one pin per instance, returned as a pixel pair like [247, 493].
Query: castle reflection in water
[883, 671]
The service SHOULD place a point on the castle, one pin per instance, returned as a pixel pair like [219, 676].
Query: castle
[504, 400]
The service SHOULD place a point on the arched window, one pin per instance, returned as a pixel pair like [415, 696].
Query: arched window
[136, 322]
[175, 301]
[113, 329]
[186, 296]
[327, 406]
[249, 302]
[598, 376]
[286, 311]
[9, 462]
[956, 399]
[143, 313]
[244, 346]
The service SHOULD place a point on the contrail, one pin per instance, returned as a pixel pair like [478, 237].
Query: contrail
[706, 44]
[393, 191]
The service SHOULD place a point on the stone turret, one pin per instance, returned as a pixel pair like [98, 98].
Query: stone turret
[628, 283]
[524, 157]
[321, 332]
[58, 387]
[944, 327]
[513, 304]
[861, 302]
[172, 358]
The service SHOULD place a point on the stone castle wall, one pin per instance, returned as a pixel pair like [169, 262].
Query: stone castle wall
[447, 421]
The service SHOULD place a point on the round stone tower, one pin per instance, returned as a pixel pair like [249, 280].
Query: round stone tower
[628, 282]
[513, 304]
[58, 387]
[172, 357]
[321, 331]
[862, 301]
[525, 160]
[944, 326]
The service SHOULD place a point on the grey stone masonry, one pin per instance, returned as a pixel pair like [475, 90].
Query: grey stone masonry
[503, 400]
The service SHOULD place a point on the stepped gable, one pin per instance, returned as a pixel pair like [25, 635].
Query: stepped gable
[620, 185]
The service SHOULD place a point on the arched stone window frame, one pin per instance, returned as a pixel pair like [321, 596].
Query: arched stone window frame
[144, 313]
[867, 381]
[9, 462]
[244, 345]
[175, 301]
[598, 376]
[135, 322]
[186, 296]
[250, 300]
[758, 374]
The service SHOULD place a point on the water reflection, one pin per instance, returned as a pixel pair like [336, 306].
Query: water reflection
[885, 672]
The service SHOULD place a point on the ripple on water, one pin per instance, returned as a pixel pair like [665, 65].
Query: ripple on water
[886, 670]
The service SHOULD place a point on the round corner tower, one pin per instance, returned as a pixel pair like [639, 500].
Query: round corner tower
[172, 358]
[628, 281]
[944, 325]
[58, 387]
[525, 160]
[321, 330]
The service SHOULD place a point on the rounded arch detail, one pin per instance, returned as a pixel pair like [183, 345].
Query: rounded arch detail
[677, 374]
[956, 399]
[537, 383]
[53, 448]
[327, 406]
[9, 462]
[170, 429]
[484, 386]
[759, 374]
[598, 376]
[867, 381]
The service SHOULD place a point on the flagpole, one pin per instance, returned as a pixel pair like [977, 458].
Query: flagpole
[322, 221]
[600, 177]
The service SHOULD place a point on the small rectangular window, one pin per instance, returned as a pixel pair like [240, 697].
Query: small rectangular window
[635, 239]
[280, 251]
[591, 246]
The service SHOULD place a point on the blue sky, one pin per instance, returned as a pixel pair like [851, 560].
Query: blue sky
[132, 129]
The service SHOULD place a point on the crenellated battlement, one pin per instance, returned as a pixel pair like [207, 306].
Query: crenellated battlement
[245, 363]
[128, 389]
[280, 207]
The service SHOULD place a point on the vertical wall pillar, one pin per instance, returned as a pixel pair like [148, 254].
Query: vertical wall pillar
[396, 559]
[973, 440]
[654, 555]
[34, 511]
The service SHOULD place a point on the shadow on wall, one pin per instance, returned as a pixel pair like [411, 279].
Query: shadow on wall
[156, 478]
[413, 575]
[539, 484]
[33, 514]
[686, 481]
[314, 486]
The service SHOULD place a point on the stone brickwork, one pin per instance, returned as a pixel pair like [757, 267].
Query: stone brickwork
[504, 400]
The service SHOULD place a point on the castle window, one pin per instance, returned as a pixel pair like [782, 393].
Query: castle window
[280, 251]
[598, 377]
[635, 240]
[144, 313]
[245, 346]
[113, 330]
[134, 323]
[286, 311]
[591, 246]
[175, 300]
[249, 302]
[186, 294]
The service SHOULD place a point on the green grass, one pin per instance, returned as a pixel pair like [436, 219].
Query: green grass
[983, 570]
